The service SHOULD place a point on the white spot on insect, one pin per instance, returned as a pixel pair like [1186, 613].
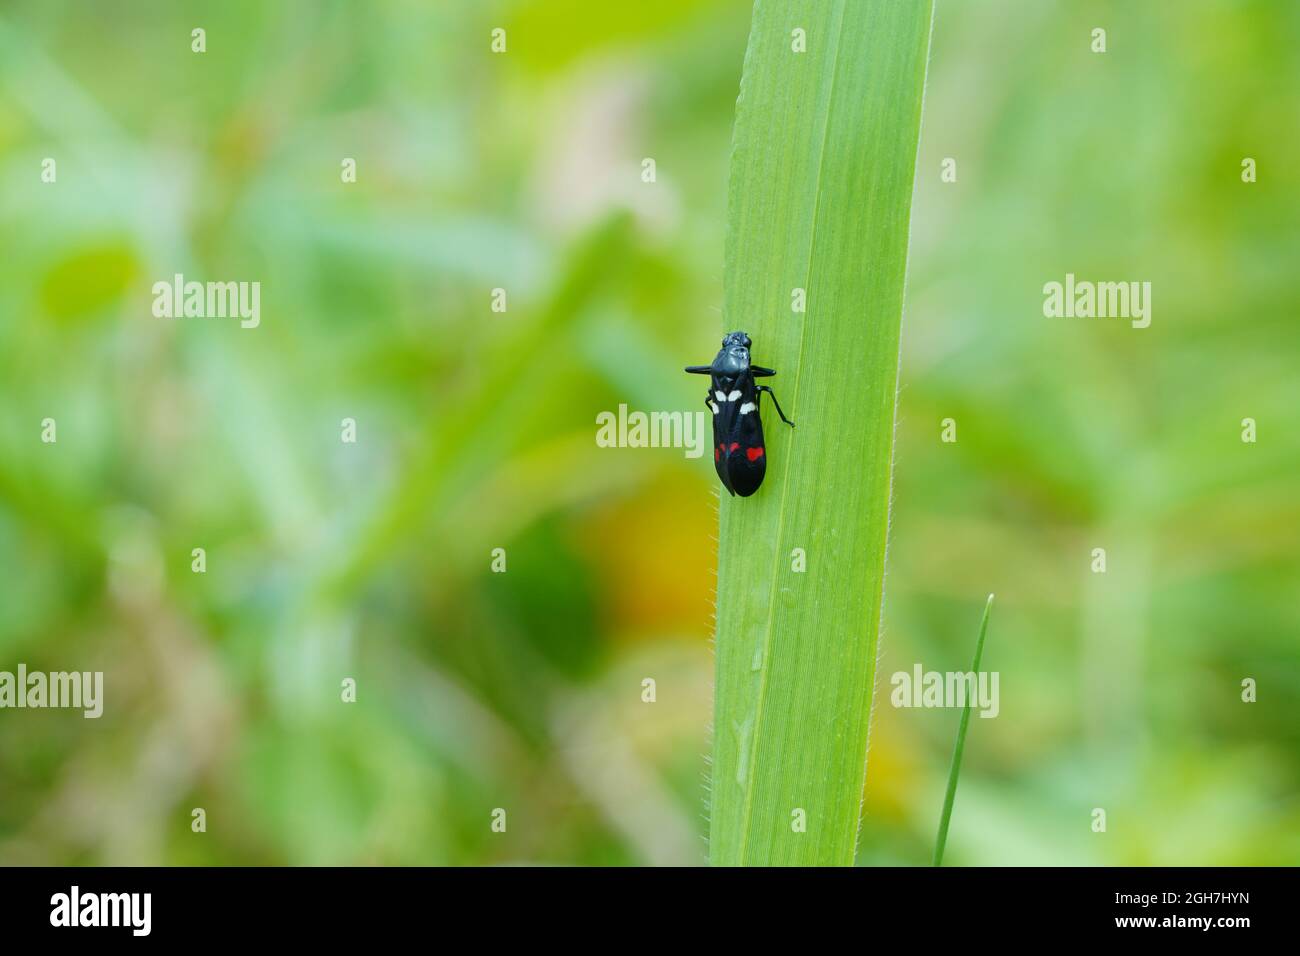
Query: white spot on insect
[733, 396]
[713, 406]
[720, 396]
[746, 408]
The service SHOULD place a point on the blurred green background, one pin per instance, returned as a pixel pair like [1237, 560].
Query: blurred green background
[476, 430]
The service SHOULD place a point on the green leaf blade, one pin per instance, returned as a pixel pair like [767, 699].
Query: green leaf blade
[820, 193]
[954, 769]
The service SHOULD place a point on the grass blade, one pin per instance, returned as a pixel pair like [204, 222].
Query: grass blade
[822, 168]
[955, 770]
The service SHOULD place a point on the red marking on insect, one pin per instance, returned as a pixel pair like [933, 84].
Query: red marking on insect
[734, 446]
[717, 453]
[754, 454]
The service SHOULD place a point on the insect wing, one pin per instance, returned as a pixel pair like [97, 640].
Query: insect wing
[741, 448]
[746, 457]
[722, 427]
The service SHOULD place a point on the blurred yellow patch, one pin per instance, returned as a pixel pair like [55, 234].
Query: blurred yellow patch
[87, 281]
[892, 772]
[549, 34]
[656, 555]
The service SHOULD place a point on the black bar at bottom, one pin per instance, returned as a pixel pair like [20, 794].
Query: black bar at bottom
[333, 906]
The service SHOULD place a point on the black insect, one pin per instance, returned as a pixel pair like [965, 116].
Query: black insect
[738, 452]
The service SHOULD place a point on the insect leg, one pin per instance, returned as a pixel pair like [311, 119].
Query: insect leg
[761, 372]
[699, 369]
[768, 389]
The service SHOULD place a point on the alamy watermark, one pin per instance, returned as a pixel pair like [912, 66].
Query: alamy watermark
[208, 300]
[82, 690]
[130, 910]
[688, 430]
[922, 688]
[1103, 300]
